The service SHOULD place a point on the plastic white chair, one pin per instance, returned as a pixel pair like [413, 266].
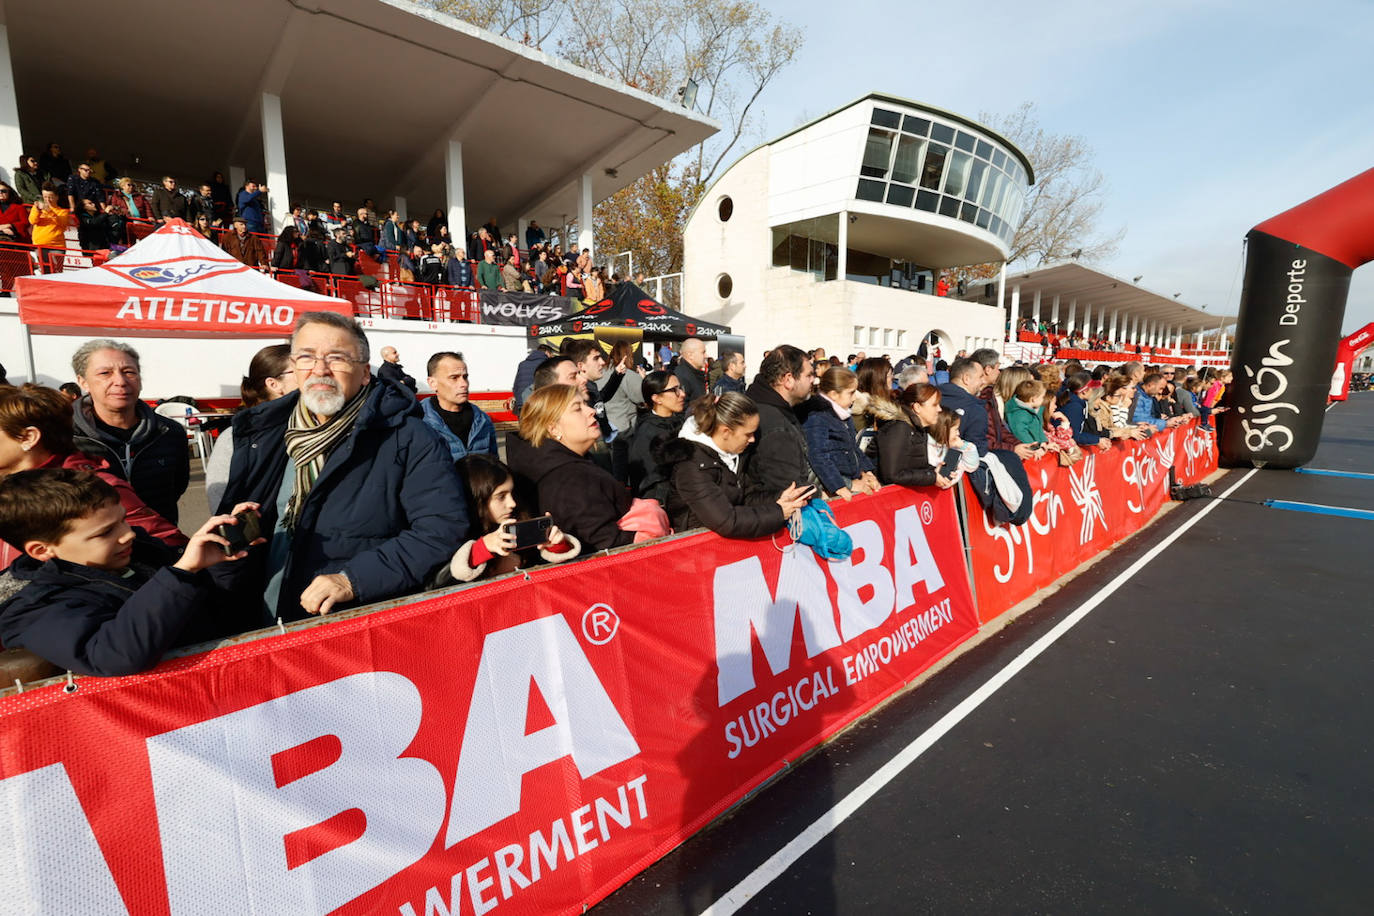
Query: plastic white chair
[176, 410]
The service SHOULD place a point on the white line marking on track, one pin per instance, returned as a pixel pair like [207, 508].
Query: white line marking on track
[783, 859]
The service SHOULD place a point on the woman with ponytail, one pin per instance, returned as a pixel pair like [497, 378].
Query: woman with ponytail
[705, 466]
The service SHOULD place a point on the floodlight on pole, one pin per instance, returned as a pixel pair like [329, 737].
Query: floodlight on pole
[687, 94]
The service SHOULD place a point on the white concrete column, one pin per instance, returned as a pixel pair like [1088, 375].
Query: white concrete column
[237, 176]
[1134, 336]
[11, 140]
[1002, 297]
[1054, 311]
[274, 156]
[453, 190]
[585, 235]
[1073, 314]
[400, 207]
[523, 223]
[842, 259]
[1088, 318]
[1035, 309]
[1014, 309]
[1112, 336]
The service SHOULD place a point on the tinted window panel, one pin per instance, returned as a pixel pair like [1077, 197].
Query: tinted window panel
[907, 166]
[984, 218]
[885, 118]
[975, 180]
[964, 142]
[877, 153]
[900, 195]
[999, 159]
[918, 126]
[942, 132]
[927, 200]
[956, 174]
[934, 168]
[967, 212]
[871, 190]
[984, 150]
[949, 206]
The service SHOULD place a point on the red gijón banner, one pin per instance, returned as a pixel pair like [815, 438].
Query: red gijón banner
[517, 747]
[1080, 511]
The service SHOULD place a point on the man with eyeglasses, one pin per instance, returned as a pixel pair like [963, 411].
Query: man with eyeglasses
[85, 187]
[359, 497]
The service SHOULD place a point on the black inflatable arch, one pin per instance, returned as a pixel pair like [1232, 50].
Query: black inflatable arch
[1297, 276]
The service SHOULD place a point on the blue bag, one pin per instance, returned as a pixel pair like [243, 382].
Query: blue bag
[814, 525]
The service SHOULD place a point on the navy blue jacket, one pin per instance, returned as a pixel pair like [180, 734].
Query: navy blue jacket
[481, 438]
[973, 427]
[832, 444]
[251, 209]
[1075, 408]
[386, 510]
[460, 273]
[524, 375]
[103, 623]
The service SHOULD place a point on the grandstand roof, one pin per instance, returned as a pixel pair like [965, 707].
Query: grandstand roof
[370, 91]
[1071, 280]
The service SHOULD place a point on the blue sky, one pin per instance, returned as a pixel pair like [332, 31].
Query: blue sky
[1205, 116]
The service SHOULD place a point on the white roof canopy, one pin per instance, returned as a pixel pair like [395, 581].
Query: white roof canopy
[1075, 282]
[371, 92]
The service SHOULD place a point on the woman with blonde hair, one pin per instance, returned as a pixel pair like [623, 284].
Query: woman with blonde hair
[1004, 389]
[550, 455]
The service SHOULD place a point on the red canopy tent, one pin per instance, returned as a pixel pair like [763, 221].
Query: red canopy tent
[174, 283]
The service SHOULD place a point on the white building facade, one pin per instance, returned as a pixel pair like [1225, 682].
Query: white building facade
[835, 234]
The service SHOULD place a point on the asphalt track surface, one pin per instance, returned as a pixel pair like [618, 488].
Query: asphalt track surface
[1200, 742]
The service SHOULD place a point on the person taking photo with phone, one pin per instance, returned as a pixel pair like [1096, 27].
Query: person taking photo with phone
[505, 541]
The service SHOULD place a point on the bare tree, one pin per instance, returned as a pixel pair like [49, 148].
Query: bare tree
[530, 22]
[1065, 203]
[732, 50]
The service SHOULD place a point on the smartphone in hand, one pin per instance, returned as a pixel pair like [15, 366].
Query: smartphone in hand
[531, 532]
[248, 530]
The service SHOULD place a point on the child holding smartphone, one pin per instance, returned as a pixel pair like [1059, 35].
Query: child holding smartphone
[497, 550]
[950, 453]
[90, 594]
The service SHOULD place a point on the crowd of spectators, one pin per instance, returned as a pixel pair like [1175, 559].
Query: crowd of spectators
[350, 490]
[50, 197]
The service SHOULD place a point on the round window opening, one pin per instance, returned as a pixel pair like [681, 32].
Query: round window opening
[724, 286]
[726, 209]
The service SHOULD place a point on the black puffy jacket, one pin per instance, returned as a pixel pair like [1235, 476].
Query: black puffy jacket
[902, 455]
[647, 478]
[584, 500]
[155, 460]
[706, 492]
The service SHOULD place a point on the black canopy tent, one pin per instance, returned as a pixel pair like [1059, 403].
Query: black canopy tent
[630, 309]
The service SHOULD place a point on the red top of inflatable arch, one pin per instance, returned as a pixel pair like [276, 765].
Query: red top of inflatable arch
[1338, 223]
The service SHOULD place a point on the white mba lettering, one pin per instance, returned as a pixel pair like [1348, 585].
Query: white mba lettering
[744, 605]
[229, 812]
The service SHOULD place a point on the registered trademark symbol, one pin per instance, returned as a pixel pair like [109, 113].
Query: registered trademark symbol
[927, 513]
[600, 624]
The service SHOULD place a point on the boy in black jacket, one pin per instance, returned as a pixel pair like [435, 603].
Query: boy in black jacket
[88, 595]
